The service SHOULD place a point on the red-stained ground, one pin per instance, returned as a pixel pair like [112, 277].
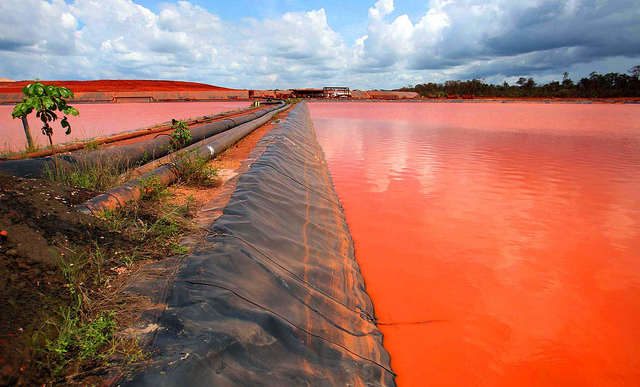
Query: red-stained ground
[114, 85]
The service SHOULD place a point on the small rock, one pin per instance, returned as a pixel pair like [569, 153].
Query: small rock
[12, 253]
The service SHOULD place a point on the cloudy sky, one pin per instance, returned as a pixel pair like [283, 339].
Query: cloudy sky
[362, 44]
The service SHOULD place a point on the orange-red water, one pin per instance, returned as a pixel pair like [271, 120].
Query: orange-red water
[513, 228]
[99, 120]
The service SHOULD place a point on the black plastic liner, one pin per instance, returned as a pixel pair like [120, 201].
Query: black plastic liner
[273, 294]
[167, 170]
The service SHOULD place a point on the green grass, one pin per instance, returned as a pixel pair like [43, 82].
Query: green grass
[27, 149]
[92, 145]
[155, 222]
[193, 169]
[94, 176]
[82, 332]
[151, 187]
[129, 259]
[71, 337]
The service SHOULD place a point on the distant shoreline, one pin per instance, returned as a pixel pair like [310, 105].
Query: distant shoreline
[493, 100]
[149, 91]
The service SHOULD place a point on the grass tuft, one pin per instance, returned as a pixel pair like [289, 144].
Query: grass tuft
[70, 337]
[151, 188]
[194, 171]
[94, 176]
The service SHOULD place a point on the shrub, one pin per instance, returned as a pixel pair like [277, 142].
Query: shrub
[181, 134]
[193, 169]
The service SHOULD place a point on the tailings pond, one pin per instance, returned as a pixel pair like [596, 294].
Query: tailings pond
[103, 119]
[500, 241]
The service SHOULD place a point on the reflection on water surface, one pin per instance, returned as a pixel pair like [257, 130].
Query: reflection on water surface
[516, 227]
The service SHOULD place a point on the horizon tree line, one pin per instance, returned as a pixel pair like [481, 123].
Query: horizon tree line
[611, 85]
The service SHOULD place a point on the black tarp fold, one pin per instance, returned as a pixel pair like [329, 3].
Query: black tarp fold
[273, 294]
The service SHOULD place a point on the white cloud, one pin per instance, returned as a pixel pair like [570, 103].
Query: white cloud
[301, 36]
[88, 39]
[68, 21]
[381, 9]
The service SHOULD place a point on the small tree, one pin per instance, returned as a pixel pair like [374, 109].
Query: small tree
[46, 100]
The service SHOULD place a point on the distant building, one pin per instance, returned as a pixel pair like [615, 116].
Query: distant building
[309, 93]
[336, 92]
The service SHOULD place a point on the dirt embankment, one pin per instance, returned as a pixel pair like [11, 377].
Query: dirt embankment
[42, 237]
[115, 85]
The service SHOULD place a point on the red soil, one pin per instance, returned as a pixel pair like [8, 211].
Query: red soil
[114, 85]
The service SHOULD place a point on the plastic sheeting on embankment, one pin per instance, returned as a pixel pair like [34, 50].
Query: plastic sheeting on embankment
[273, 295]
[167, 169]
[131, 154]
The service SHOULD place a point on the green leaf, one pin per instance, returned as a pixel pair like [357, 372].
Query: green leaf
[30, 102]
[17, 110]
[45, 99]
[64, 92]
[47, 103]
[71, 110]
[65, 124]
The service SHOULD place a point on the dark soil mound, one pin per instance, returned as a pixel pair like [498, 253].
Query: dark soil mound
[37, 225]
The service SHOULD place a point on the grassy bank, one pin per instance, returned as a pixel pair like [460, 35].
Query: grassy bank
[64, 296]
[66, 318]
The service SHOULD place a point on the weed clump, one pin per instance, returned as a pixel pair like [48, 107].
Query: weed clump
[181, 134]
[100, 176]
[151, 188]
[73, 338]
[193, 169]
[74, 334]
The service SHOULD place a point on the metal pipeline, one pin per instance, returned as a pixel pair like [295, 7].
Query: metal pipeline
[126, 155]
[161, 127]
[167, 173]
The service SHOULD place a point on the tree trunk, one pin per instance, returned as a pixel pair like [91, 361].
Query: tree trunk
[55, 158]
[27, 133]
